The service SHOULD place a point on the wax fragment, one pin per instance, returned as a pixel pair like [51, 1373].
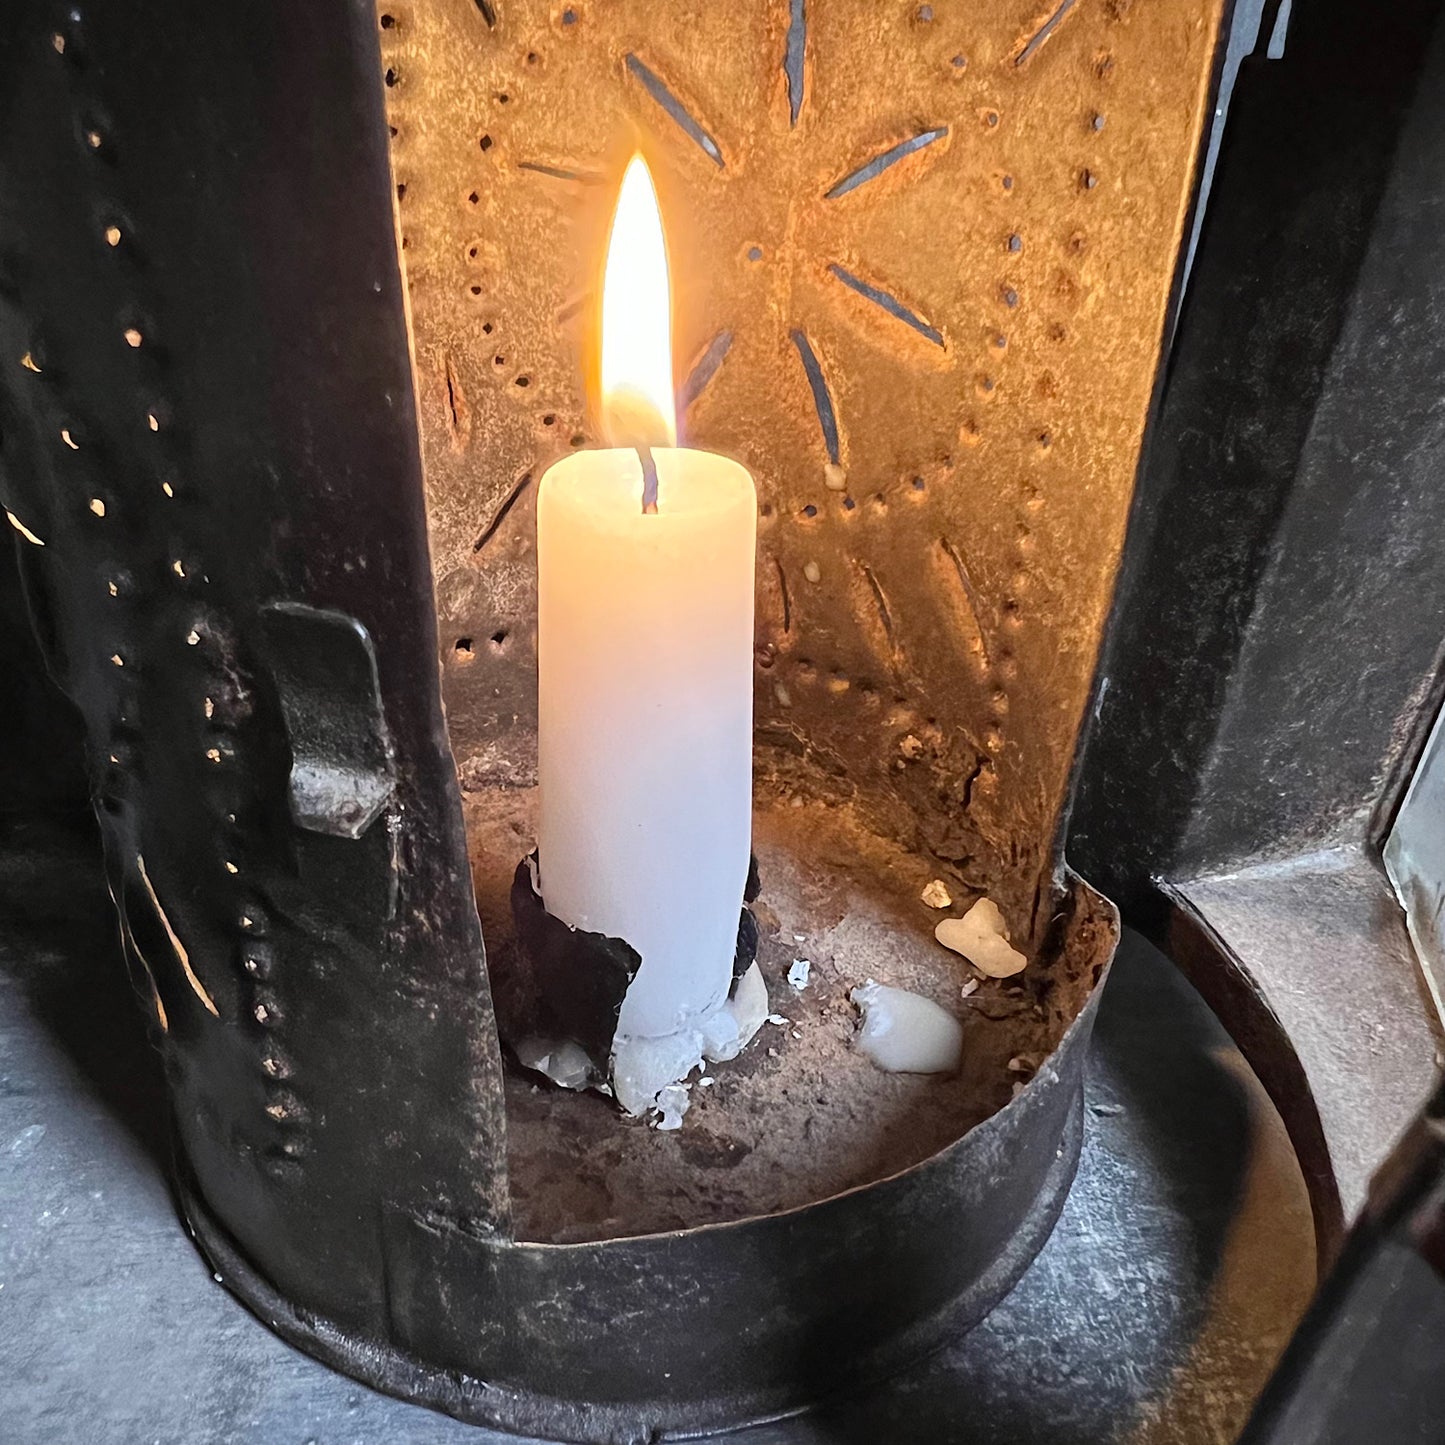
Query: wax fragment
[980, 936]
[564, 1062]
[904, 1033]
[672, 1104]
[936, 894]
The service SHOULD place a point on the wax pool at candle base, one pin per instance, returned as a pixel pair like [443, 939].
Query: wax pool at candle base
[645, 642]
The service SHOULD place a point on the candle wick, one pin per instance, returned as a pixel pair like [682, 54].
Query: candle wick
[649, 480]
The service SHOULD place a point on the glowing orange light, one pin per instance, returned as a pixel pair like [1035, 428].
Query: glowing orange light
[637, 400]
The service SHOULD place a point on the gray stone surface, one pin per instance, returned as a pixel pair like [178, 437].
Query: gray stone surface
[1182, 1259]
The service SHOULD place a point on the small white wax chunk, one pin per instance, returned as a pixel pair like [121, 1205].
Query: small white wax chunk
[672, 1103]
[728, 1030]
[565, 1063]
[643, 1070]
[798, 973]
[936, 894]
[718, 1036]
[904, 1033]
[980, 936]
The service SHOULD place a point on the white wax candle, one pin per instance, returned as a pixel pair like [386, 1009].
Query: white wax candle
[645, 659]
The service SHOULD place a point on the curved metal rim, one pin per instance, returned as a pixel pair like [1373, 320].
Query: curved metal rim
[463, 1303]
[1225, 983]
[385, 1368]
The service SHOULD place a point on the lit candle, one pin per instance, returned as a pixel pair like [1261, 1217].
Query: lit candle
[645, 642]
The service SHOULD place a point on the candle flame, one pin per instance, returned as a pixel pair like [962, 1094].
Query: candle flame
[637, 399]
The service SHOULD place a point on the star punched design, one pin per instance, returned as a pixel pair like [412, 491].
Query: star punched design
[777, 268]
[828, 176]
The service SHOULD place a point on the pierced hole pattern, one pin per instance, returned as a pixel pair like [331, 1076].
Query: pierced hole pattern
[903, 404]
[208, 652]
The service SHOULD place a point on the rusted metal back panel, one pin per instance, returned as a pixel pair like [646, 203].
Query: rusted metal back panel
[922, 257]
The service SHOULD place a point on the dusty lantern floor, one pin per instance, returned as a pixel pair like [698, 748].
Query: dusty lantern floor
[802, 1114]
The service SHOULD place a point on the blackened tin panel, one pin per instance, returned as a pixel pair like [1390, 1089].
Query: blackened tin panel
[211, 469]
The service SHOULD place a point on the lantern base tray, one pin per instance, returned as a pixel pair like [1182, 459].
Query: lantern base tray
[801, 1115]
[815, 1224]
